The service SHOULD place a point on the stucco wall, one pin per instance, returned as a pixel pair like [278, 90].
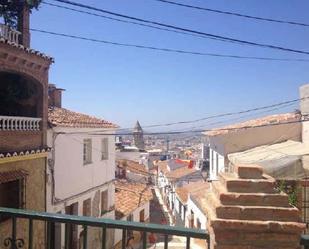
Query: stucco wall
[249, 138]
[71, 175]
[198, 214]
[128, 155]
[35, 200]
[94, 235]
[135, 213]
[216, 161]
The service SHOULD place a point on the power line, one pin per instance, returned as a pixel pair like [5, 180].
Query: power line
[129, 22]
[244, 116]
[224, 38]
[105, 132]
[283, 103]
[170, 50]
[234, 13]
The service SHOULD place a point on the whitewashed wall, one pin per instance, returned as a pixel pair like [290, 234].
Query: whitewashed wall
[71, 175]
[136, 212]
[213, 164]
[198, 214]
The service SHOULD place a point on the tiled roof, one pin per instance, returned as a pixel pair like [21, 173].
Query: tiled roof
[66, 118]
[129, 196]
[199, 197]
[132, 166]
[192, 187]
[27, 50]
[13, 175]
[272, 119]
[162, 166]
[181, 172]
[177, 173]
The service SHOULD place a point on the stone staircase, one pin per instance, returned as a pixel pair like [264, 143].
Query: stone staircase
[246, 211]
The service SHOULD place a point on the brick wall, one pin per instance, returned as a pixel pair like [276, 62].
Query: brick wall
[246, 211]
[32, 66]
[12, 141]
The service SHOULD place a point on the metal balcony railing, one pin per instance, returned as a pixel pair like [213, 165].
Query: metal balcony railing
[13, 123]
[85, 222]
[9, 34]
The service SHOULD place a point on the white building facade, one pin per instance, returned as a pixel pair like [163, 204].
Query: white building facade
[81, 173]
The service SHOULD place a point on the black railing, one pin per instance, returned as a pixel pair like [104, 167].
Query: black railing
[69, 220]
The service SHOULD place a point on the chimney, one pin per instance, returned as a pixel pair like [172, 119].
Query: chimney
[54, 96]
[23, 25]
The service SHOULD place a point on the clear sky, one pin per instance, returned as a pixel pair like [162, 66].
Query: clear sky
[126, 84]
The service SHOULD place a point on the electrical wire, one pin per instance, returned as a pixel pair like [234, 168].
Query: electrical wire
[242, 117]
[223, 38]
[105, 132]
[283, 103]
[234, 13]
[128, 22]
[170, 50]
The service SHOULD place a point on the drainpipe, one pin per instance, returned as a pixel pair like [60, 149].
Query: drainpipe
[51, 165]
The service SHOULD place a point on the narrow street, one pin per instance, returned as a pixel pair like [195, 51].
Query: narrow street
[160, 215]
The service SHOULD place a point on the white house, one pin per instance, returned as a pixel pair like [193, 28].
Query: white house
[81, 171]
[249, 134]
[172, 174]
[182, 211]
[131, 170]
[132, 203]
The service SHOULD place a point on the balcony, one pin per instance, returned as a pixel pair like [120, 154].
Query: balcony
[9, 34]
[12, 123]
[30, 217]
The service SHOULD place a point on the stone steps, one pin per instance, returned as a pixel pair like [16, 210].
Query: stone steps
[244, 212]
[233, 184]
[249, 199]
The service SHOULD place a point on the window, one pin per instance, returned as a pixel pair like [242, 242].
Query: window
[191, 221]
[142, 216]
[11, 195]
[87, 207]
[198, 224]
[87, 151]
[104, 202]
[104, 149]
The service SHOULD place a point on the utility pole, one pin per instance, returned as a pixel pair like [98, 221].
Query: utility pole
[167, 144]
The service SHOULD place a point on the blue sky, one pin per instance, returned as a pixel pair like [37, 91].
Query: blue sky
[126, 84]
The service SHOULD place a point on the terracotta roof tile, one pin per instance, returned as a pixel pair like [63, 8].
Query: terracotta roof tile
[129, 196]
[133, 166]
[66, 118]
[10, 176]
[200, 198]
[181, 172]
[182, 192]
[272, 119]
[27, 50]
[162, 166]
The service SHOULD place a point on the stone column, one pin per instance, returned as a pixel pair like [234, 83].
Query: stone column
[245, 211]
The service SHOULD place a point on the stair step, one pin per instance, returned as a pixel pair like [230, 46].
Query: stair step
[233, 184]
[249, 171]
[249, 199]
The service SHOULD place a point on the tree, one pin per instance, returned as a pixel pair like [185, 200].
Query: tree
[10, 9]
